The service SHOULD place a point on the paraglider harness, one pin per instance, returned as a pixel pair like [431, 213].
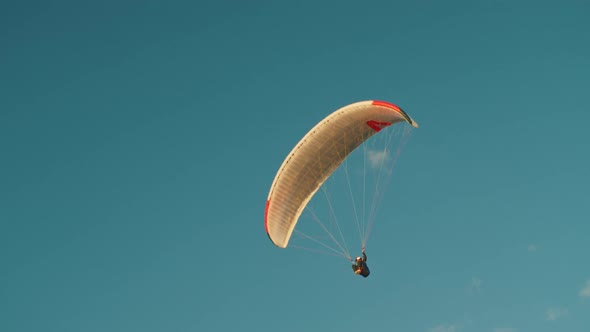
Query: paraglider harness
[360, 267]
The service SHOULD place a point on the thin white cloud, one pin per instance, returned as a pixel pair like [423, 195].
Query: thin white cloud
[377, 158]
[556, 313]
[505, 329]
[445, 328]
[532, 247]
[585, 291]
[475, 285]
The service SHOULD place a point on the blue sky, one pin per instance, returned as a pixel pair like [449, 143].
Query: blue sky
[139, 141]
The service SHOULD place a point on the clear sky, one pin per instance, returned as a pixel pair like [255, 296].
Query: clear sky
[139, 140]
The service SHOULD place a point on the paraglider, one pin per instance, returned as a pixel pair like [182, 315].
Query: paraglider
[359, 266]
[316, 156]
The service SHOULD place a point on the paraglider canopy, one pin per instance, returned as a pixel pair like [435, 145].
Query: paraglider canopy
[317, 155]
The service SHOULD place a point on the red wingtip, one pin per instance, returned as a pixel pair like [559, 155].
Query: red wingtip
[386, 104]
[266, 216]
